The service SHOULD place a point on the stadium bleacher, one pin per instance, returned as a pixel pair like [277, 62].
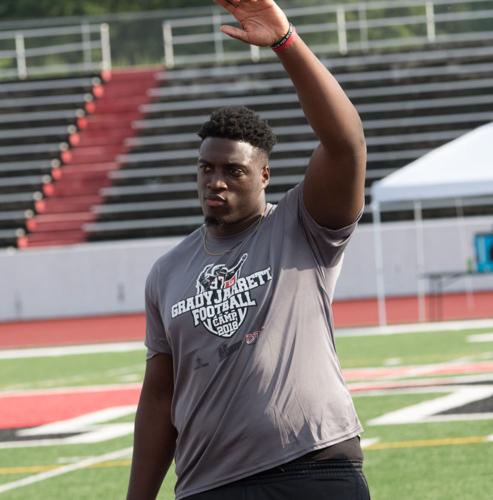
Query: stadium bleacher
[411, 102]
[37, 122]
[88, 159]
[97, 138]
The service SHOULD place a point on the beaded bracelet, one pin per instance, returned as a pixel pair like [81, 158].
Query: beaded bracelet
[286, 40]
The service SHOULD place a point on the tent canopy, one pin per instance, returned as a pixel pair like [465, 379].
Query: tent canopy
[458, 169]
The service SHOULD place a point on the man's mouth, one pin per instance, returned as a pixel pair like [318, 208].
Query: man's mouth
[215, 201]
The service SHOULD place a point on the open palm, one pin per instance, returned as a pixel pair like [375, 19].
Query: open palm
[262, 21]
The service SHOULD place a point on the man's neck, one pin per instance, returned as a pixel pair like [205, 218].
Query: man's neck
[230, 229]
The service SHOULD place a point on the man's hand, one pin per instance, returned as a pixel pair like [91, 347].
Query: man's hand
[262, 22]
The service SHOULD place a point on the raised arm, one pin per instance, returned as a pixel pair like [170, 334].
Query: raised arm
[335, 178]
[155, 436]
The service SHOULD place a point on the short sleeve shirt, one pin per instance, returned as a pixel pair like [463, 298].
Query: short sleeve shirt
[249, 328]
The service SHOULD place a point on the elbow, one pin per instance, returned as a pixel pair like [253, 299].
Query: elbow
[357, 144]
[347, 144]
[361, 151]
[349, 153]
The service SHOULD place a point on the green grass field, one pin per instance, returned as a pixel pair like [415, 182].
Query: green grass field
[434, 458]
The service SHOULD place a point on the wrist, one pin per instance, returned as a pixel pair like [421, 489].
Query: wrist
[285, 41]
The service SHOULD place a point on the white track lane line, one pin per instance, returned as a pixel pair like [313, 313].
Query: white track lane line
[439, 326]
[481, 337]
[65, 469]
[368, 442]
[429, 410]
[41, 352]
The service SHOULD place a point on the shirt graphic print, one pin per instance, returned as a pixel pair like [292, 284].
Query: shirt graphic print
[223, 297]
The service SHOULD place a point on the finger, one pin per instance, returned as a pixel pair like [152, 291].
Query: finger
[229, 5]
[234, 32]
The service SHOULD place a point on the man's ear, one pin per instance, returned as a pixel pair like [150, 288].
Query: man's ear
[265, 173]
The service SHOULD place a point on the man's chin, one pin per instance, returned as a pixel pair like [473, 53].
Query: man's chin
[212, 221]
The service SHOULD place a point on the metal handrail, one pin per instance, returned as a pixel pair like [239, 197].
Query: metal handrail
[343, 22]
[20, 57]
[47, 32]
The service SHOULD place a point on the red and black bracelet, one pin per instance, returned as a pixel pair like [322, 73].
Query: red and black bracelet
[284, 42]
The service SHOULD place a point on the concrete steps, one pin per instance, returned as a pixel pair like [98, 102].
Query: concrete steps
[96, 146]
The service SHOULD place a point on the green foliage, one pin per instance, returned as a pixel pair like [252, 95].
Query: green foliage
[28, 9]
[137, 41]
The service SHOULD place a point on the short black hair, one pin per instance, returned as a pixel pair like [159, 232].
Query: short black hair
[239, 124]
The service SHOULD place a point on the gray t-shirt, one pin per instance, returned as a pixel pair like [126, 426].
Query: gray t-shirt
[257, 379]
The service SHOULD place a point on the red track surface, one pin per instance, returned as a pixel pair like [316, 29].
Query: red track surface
[43, 407]
[72, 331]
[33, 408]
[455, 306]
[131, 327]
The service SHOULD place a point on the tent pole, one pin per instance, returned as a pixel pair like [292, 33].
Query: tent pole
[461, 223]
[377, 241]
[420, 260]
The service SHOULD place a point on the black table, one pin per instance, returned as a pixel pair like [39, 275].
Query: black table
[438, 282]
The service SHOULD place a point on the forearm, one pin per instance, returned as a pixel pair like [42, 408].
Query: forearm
[155, 436]
[334, 184]
[154, 448]
[327, 108]
[329, 111]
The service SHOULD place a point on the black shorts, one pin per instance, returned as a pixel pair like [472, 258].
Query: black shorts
[309, 480]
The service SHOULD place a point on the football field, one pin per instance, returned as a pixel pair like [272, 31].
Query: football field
[425, 398]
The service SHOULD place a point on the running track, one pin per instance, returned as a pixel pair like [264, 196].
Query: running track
[131, 327]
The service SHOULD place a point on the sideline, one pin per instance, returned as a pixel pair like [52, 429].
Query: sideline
[112, 347]
[88, 462]
[42, 352]
[442, 326]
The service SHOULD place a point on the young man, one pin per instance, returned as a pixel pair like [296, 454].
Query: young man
[242, 386]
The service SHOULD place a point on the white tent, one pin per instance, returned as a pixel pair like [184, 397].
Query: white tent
[461, 168]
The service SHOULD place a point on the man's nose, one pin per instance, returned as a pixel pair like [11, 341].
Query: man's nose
[216, 181]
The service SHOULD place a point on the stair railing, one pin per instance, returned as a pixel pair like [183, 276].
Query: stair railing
[37, 52]
[337, 29]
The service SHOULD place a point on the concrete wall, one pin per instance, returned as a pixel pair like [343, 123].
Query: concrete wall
[80, 280]
[447, 245]
[108, 278]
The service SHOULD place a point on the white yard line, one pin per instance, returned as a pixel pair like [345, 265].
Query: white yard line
[75, 424]
[414, 328]
[69, 390]
[481, 337]
[428, 410]
[125, 374]
[368, 442]
[93, 434]
[375, 388]
[42, 352]
[65, 469]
